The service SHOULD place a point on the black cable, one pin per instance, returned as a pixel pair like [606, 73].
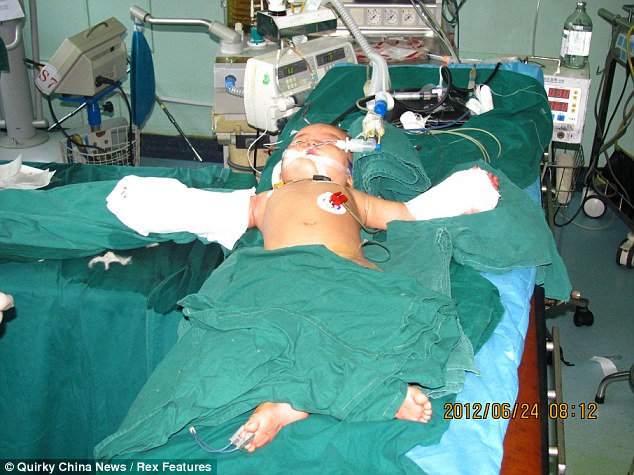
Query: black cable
[363, 101]
[619, 188]
[627, 120]
[244, 168]
[447, 77]
[592, 166]
[457, 26]
[446, 9]
[425, 110]
[434, 104]
[454, 21]
[616, 107]
[104, 80]
[493, 73]
[131, 153]
[448, 80]
[54, 116]
[446, 74]
[63, 130]
[576, 213]
[33, 63]
[260, 136]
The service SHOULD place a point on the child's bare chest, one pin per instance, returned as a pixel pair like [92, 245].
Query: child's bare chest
[310, 213]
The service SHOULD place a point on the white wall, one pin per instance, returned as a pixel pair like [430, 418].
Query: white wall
[506, 27]
[184, 57]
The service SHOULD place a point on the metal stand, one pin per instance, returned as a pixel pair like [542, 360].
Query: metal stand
[611, 378]
[556, 195]
[617, 55]
[92, 104]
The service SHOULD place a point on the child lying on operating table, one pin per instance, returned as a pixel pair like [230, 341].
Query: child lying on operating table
[315, 204]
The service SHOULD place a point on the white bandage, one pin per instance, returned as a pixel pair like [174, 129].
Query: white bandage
[482, 102]
[276, 174]
[165, 205]
[463, 192]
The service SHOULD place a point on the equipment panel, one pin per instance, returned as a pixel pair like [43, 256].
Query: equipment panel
[567, 91]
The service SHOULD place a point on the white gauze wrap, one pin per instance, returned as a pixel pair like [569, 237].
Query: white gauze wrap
[165, 205]
[463, 192]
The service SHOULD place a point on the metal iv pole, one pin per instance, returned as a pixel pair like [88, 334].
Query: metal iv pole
[15, 92]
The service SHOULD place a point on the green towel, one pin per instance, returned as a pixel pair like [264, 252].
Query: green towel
[514, 234]
[320, 443]
[394, 172]
[72, 220]
[83, 340]
[305, 326]
[521, 121]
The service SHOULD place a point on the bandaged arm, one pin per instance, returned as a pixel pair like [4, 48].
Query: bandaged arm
[165, 205]
[464, 192]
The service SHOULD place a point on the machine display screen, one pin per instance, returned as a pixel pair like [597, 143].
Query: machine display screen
[557, 106]
[558, 93]
[291, 69]
[330, 56]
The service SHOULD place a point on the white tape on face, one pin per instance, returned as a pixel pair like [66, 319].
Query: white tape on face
[320, 161]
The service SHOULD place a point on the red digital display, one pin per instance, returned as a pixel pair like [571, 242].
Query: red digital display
[557, 106]
[558, 93]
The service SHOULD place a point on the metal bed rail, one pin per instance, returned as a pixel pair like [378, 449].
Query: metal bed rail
[556, 451]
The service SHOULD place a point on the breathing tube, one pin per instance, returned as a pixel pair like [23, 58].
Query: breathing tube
[380, 80]
[413, 94]
[410, 94]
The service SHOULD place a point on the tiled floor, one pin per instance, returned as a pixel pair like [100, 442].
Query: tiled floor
[604, 445]
[589, 247]
[49, 151]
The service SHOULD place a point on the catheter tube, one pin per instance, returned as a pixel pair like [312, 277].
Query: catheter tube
[380, 75]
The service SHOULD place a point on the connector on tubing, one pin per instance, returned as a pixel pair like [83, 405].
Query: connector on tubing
[230, 86]
[380, 107]
[383, 102]
[358, 145]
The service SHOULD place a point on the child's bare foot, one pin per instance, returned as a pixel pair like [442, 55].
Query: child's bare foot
[416, 407]
[267, 420]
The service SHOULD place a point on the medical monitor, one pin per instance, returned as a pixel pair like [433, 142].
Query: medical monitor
[83, 57]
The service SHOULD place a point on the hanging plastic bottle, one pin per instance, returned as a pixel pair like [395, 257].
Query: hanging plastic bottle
[575, 42]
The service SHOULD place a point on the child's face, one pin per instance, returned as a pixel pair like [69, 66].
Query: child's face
[312, 152]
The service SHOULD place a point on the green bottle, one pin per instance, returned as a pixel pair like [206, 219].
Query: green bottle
[575, 42]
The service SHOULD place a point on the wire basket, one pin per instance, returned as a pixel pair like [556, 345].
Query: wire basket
[559, 176]
[108, 147]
